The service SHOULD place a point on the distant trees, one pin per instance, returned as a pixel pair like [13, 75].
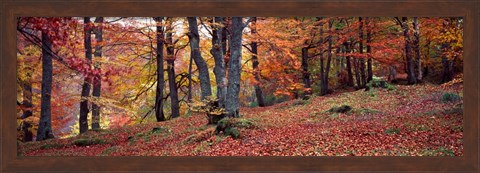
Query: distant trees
[256, 70]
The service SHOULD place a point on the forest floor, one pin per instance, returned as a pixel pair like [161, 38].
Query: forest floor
[419, 120]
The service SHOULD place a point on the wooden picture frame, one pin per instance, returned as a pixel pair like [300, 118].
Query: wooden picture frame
[10, 10]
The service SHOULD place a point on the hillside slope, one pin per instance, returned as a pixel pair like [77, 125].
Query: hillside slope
[408, 120]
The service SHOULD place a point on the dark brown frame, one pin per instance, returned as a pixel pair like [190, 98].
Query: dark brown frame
[10, 9]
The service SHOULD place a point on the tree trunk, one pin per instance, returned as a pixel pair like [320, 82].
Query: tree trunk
[175, 108]
[217, 53]
[447, 65]
[45, 124]
[349, 64]
[323, 90]
[369, 51]
[357, 73]
[392, 74]
[160, 73]
[203, 75]
[83, 119]
[361, 61]
[306, 74]
[233, 88]
[256, 71]
[189, 94]
[97, 82]
[408, 53]
[426, 70]
[329, 59]
[27, 106]
[416, 47]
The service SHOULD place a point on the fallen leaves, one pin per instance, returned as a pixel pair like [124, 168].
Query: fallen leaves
[407, 122]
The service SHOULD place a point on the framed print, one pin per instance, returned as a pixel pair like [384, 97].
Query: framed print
[239, 86]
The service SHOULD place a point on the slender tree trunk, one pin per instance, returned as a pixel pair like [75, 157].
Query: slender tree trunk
[357, 73]
[160, 73]
[408, 53]
[189, 96]
[361, 61]
[349, 64]
[204, 77]
[175, 108]
[329, 58]
[416, 47]
[256, 70]
[306, 74]
[27, 112]
[226, 37]
[323, 90]
[45, 124]
[217, 53]
[233, 88]
[369, 51]
[447, 65]
[427, 59]
[83, 120]
[97, 82]
[392, 75]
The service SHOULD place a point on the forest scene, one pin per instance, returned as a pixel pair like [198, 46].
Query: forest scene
[240, 86]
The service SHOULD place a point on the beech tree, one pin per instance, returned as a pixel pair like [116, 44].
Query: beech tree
[234, 67]
[218, 55]
[256, 70]
[45, 124]
[97, 82]
[408, 51]
[203, 75]
[83, 119]
[171, 69]
[160, 74]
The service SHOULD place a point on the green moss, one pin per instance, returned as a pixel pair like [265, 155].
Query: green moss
[233, 132]
[50, 146]
[450, 97]
[88, 141]
[437, 152]
[392, 131]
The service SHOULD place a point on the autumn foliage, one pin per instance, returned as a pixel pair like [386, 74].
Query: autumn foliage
[241, 86]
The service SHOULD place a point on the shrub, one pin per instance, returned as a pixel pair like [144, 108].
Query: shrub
[253, 104]
[450, 97]
[377, 82]
[211, 107]
[271, 99]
